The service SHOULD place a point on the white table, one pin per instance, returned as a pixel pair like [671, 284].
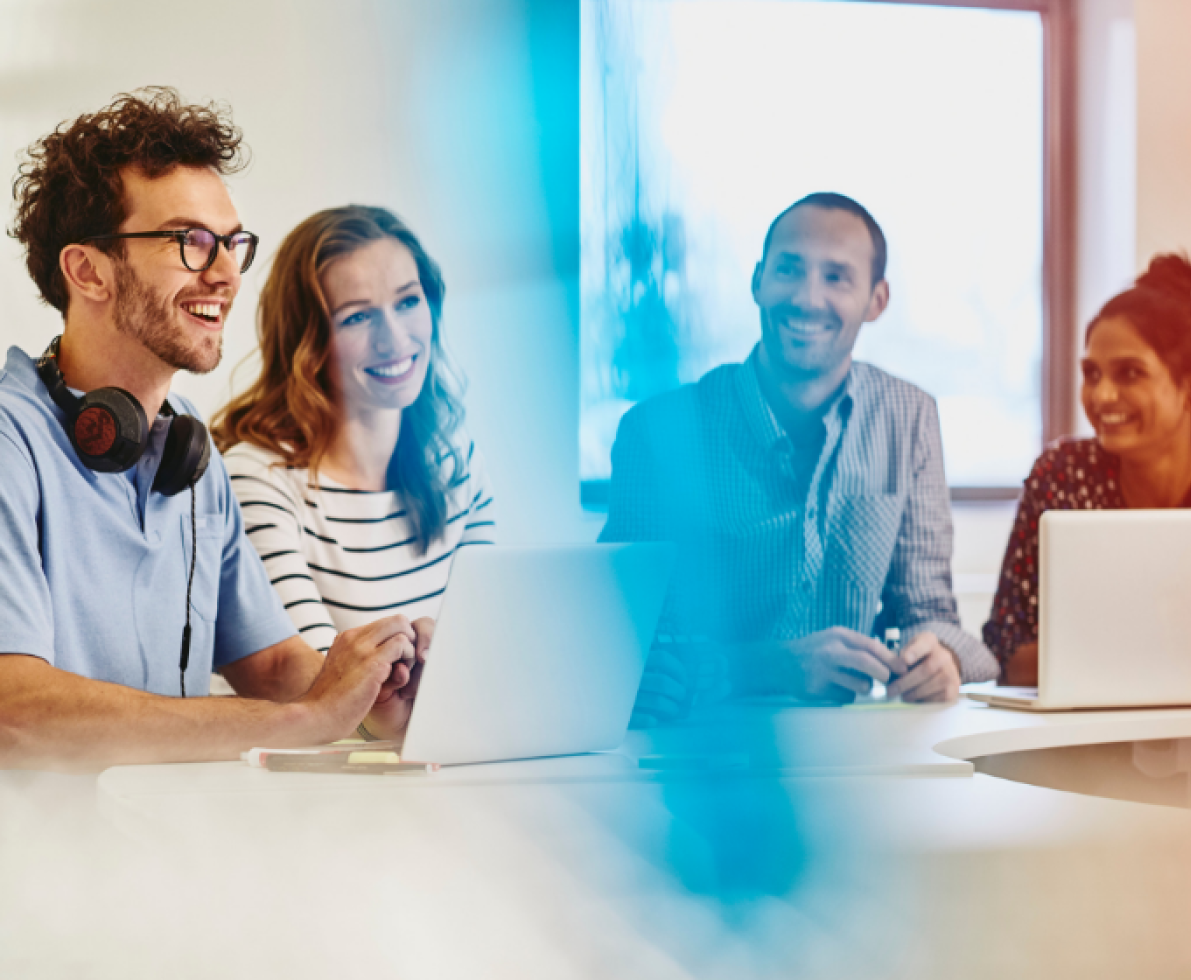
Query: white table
[856, 842]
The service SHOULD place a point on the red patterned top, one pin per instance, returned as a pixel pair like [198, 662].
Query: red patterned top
[1072, 474]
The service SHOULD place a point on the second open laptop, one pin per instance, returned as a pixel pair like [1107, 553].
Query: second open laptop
[1114, 616]
[538, 652]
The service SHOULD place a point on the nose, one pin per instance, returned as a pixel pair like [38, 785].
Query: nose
[1100, 393]
[224, 271]
[809, 291]
[389, 334]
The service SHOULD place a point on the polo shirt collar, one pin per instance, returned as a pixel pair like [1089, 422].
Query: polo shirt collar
[759, 416]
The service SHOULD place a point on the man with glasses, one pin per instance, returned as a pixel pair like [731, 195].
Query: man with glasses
[124, 569]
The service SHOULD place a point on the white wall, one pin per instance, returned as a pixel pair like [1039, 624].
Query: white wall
[1107, 159]
[1163, 127]
[427, 108]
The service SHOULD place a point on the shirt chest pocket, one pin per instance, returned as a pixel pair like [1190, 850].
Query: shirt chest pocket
[204, 596]
[862, 536]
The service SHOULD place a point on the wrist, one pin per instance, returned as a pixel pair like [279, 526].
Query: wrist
[387, 721]
[303, 723]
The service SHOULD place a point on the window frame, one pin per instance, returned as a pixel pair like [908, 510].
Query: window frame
[1059, 228]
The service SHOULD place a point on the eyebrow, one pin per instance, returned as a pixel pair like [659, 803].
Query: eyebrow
[834, 264]
[183, 222]
[1128, 359]
[412, 284]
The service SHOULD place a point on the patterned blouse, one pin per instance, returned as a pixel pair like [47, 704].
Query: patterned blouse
[1072, 474]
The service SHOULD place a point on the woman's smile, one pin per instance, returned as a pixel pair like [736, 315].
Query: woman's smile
[393, 371]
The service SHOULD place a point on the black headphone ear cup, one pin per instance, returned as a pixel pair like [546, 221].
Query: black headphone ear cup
[185, 456]
[108, 430]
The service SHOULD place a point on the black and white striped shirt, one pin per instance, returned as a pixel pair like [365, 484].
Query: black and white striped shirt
[340, 557]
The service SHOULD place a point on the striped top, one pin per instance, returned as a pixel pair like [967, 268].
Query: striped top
[778, 540]
[340, 557]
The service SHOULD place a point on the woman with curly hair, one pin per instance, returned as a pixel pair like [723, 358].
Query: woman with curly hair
[1137, 394]
[356, 481]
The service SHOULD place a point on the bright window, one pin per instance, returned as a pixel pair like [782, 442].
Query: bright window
[703, 119]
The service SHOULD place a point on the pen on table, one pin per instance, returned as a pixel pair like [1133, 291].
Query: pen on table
[298, 763]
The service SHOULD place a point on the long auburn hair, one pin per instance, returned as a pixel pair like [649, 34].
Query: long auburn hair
[294, 408]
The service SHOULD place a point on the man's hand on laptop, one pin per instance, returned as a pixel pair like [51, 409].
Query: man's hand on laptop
[361, 664]
[424, 629]
[932, 671]
[395, 701]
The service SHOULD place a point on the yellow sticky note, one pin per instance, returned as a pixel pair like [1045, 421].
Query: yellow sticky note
[373, 758]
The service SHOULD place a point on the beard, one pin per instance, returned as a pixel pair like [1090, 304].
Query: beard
[813, 353]
[150, 319]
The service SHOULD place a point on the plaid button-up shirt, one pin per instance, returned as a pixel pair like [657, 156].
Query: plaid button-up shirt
[766, 554]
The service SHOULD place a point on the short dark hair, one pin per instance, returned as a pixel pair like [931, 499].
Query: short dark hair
[69, 185]
[1158, 307]
[839, 202]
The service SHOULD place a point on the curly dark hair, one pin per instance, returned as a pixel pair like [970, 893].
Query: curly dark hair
[69, 185]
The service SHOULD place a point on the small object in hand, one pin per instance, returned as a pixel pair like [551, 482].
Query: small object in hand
[893, 643]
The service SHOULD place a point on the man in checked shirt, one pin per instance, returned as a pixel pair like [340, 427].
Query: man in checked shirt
[806, 493]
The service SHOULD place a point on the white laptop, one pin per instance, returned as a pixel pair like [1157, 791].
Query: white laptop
[538, 652]
[1114, 625]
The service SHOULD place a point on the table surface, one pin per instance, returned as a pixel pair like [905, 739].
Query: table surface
[863, 740]
[812, 842]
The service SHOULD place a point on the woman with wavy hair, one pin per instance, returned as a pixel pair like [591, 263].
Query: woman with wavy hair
[347, 453]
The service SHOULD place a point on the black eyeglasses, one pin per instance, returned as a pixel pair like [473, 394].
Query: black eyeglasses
[198, 246]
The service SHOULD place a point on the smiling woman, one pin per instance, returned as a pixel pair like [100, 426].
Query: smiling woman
[347, 455]
[1137, 395]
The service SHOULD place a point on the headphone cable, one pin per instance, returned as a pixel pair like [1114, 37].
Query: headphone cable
[189, 585]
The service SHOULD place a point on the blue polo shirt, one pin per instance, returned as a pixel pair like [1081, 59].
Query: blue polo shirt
[93, 566]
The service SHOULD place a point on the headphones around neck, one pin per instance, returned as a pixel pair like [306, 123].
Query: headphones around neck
[109, 431]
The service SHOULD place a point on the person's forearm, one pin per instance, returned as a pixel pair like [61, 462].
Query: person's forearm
[283, 672]
[52, 719]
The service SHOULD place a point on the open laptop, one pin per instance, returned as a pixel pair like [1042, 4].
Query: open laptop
[538, 652]
[1114, 626]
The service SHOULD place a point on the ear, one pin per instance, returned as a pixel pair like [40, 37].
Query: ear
[757, 280]
[88, 273]
[878, 301]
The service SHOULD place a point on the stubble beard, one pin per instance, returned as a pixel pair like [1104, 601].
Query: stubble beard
[793, 363]
[150, 319]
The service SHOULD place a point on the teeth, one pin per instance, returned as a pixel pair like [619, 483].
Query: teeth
[1114, 419]
[805, 326]
[210, 310]
[392, 370]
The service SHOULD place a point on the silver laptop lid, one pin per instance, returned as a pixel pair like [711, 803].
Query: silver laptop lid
[1115, 608]
[538, 651]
